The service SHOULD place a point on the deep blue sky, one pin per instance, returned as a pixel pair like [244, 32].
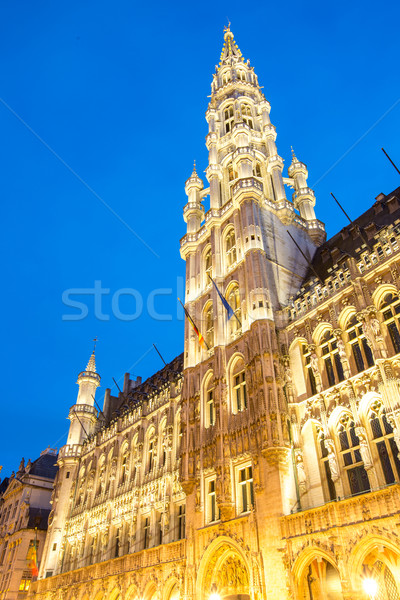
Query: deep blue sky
[119, 90]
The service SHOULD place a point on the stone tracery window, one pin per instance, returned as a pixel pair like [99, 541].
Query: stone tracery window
[331, 358]
[233, 298]
[383, 440]
[238, 383]
[208, 266]
[391, 310]
[209, 404]
[245, 110]
[230, 247]
[245, 488]
[229, 118]
[209, 325]
[361, 351]
[351, 456]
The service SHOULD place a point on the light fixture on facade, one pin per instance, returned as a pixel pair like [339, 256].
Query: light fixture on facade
[370, 587]
[214, 593]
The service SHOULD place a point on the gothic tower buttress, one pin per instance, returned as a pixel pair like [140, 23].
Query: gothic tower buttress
[236, 455]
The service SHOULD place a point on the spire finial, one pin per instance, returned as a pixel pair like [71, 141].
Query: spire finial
[230, 49]
[294, 157]
[194, 172]
[91, 366]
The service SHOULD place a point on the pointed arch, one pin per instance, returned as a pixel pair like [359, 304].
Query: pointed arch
[212, 565]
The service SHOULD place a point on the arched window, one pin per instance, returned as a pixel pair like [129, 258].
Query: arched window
[359, 346]
[151, 451]
[241, 75]
[232, 175]
[382, 438]
[209, 325]
[124, 465]
[209, 404]
[391, 310]
[351, 456]
[233, 298]
[246, 114]
[228, 118]
[330, 355]
[230, 247]
[208, 266]
[257, 170]
[238, 383]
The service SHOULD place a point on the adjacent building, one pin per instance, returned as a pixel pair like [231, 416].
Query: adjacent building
[263, 463]
[24, 511]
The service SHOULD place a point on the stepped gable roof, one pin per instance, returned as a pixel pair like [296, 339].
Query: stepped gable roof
[45, 466]
[358, 236]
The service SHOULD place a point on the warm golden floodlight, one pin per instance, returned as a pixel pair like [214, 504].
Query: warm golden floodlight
[370, 587]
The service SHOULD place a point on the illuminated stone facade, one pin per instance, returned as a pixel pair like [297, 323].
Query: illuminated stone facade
[278, 438]
[24, 510]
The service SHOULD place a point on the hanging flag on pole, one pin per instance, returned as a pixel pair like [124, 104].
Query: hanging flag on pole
[201, 339]
[227, 306]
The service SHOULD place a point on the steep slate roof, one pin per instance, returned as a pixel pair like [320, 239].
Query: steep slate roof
[45, 466]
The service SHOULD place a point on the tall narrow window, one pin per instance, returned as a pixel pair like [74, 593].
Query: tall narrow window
[351, 456]
[210, 408]
[257, 170]
[230, 248]
[246, 493]
[234, 323]
[213, 512]
[159, 530]
[359, 346]
[146, 532]
[117, 542]
[239, 391]
[228, 118]
[209, 325]
[208, 266]
[181, 522]
[330, 354]
[391, 312]
[246, 114]
[150, 456]
[386, 448]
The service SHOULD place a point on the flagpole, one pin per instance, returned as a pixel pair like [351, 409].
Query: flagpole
[197, 330]
[225, 302]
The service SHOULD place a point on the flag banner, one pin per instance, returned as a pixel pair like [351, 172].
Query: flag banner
[201, 339]
[32, 560]
[224, 301]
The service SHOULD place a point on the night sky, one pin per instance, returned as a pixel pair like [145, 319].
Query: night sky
[102, 110]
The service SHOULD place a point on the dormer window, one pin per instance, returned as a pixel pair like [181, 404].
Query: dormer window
[228, 118]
